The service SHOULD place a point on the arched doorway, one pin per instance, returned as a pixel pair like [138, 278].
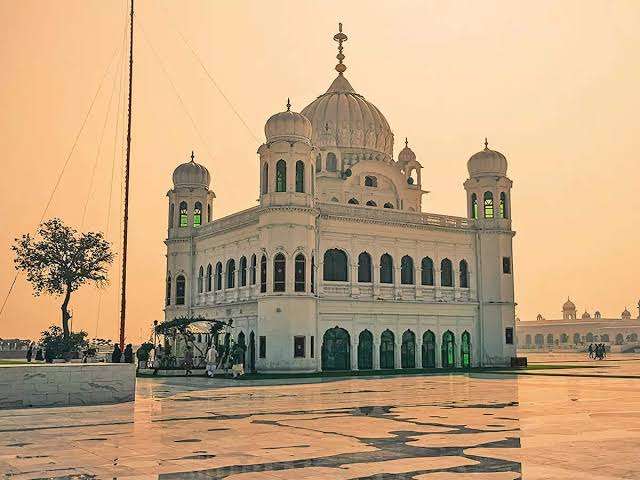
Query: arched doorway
[448, 350]
[619, 339]
[387, 349]
[465, 350]
[243, 345]
[428, 350]
[336, 349]
[408, 350]
[252, 352]
[365, 350]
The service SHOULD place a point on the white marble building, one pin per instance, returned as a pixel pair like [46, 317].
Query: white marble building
[338, 267]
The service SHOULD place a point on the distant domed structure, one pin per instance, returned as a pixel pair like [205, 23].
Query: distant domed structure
[586, 315]
[191, 174]
[487, 162]
[288, 126]
[569, 310]
[626, 314]
[406, 155]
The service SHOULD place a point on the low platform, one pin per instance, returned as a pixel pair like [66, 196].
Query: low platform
[65, 384]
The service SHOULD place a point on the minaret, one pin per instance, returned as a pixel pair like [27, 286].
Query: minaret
[489, 208]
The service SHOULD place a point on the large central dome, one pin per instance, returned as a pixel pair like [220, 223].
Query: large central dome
[343, 118]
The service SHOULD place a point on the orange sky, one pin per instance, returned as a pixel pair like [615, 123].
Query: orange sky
[553, 84]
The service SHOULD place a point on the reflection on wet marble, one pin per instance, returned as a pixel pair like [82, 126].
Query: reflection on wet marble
[445, 427]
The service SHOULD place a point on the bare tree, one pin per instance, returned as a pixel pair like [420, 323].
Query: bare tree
[59, 259]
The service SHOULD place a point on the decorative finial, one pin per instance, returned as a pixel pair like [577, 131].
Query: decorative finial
[288, 105]
[340, 38]
[486, 143]
[193, 156]
[406, 142]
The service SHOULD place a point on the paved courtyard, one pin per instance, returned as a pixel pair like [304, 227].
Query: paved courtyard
[555, 424]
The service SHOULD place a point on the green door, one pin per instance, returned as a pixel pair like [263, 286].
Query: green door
[408, 350]
[448, 350]
[465, 350]
[336, 350]
[387, 350]
[428, 350]
[365, 350]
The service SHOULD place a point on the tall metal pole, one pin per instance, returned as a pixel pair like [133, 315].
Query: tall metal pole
[123, 301]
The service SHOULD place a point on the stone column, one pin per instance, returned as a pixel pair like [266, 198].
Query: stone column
[376, 352]
[418, 351]
[397, 351]
[354, 354]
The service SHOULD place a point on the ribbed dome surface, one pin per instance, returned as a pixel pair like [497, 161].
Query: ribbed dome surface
[191, 174]
[406, 155]
[343, 118]
[288, 125]
[568, 305]
[487, 162]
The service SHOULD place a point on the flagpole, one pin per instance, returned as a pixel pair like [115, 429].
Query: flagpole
[123, 298]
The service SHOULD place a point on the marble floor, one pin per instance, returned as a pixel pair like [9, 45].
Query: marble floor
[445, 427]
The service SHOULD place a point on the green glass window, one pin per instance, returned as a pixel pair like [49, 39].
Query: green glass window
[300, 273]
[408, 350]
[279, 266]
[406, 270]
[474, 206]
[365, 350]
[183, 214]
[464, 274]
[387, 349]
[281, 176]
[180, 290]
[336, 350]
[488, 205]
[428, 349]
[197, 214]
[448, 350]
[300, 176]
[446, 273]
[465, 350]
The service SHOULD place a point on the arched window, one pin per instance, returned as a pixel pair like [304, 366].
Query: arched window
[387, 349]
[279, 265]
[388, 205]
[332, 162]
[208, 213]
[254, 265]
[464, 274]
[263, 274]
[184, 222]
[465, 350]
[335, 265]
[353, 201]
[265, 179]
[550, 339]
[446, 273]
[243, 271]
[427, 271]
[527, 339]
[318, 163]
[370, 181]
[300, 176]
[300, 273]
[408, 350]
[364, 268]
[448, 350]
[406, 270]
[605, 338]
[218, 276]
[334, 199]
[576, 338]
[386, 268]
[313, 274]
[428, 349]
[371, 203]
[231, 273]
[588, 337]
[336, 349]
[180, 289]
[209, 275]
[564, 338]
[172, 212]
[488, 205]
[365, 350]
[200, 279]
[503, 205]
[619, 339]
[167, 297]
[281, 176]
[197, 214]
[474, 206]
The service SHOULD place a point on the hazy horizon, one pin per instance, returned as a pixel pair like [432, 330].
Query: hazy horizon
[553, 85]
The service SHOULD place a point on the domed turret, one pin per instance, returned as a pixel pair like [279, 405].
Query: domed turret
[586, 315]
[288, 126]
[191, 174]
[406, 155]
[569, 310]
[487, 162]
[626, 314]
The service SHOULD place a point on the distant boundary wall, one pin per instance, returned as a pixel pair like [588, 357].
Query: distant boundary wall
[66, 384]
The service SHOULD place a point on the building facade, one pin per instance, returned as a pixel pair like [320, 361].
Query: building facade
[573, 332]
[338, 267]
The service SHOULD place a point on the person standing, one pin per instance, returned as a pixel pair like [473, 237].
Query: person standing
[128, 354]
[188, 361]
[116, 355]
[590, 350]
[212, 360]
[30, 352]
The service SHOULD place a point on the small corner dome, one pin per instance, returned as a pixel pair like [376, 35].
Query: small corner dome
[406, 155]
[626, 314]
[586, 315]
[568, 305]
[288, 125]
[487, 162]
[191, 174]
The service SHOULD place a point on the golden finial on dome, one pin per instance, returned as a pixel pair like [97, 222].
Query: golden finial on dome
[486, 143]
[193, 156]
[340, 38]
[288, 105]
[406, 142]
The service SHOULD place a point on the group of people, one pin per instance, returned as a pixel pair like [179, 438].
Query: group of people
[34, 349]
[597, 351]
[117, 354]
[232, 361]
